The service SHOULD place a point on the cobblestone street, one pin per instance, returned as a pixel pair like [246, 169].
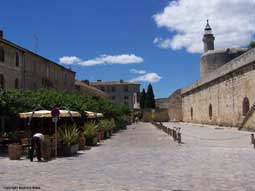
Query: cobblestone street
[146, 159]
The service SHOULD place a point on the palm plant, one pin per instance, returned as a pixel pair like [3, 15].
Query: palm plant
[69, 135]
[90, 130]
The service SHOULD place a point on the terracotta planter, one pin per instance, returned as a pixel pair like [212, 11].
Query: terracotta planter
[99, 136]
[102, 135]
[46, 150]
[14, 151]
[82, 142]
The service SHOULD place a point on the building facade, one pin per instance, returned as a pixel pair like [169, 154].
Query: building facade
[84, 88]
[120, 92]
[225, 93]
[23, 69]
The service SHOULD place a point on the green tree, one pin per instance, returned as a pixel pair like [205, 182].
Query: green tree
[142, 99]
[251, 44]
[149, 100]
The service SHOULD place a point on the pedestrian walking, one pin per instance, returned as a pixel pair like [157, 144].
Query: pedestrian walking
[36, 143]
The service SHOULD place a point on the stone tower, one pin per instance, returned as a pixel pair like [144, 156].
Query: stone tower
[208, 38]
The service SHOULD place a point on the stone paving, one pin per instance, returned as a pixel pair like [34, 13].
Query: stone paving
[146, 159]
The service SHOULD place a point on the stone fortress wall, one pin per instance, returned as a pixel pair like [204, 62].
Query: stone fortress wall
[225, 93]
[219, 97]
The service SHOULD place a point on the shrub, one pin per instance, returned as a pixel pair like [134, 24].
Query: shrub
[90, 130]
[69, 135]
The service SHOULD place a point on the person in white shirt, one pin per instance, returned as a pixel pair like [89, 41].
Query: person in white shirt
[36, 142]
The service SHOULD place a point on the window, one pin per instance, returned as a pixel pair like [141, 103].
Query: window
[126, 88]
[191, 113]
[1, 81]
[246, 106]
[210, 111]
[1, 54]
[113, 97]
[102, 88]
[16, 83]
[17, 59]
[113, 89]
[126, 97]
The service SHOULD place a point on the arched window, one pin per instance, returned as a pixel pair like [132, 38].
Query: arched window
[246, 106]
[17, 59]
[1, 81]
[1, 54]
[16, 83]
[210, 111]
[191, 113]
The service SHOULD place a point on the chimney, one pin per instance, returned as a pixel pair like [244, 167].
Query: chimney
[99, 80]
[121, 81]
[1, 34]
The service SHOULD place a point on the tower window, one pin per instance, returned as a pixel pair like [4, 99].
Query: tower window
[246, 106]
[17, 59]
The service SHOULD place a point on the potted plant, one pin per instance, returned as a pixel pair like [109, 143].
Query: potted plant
[82, 141]
[70, 137]
[107, 125]
[15, 148]
[90, 132]
[46, 148]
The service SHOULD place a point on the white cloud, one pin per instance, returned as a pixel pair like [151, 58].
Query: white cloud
[69, 60]
[232, 22]
[103, 60]
[134, 71]
[149, 77]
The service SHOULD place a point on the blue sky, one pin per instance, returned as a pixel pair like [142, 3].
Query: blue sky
[88, 29]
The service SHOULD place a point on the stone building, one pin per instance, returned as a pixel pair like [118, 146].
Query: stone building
[23, 69]
[173, 105]
[225, 93]
[120, 92]
[84, 88]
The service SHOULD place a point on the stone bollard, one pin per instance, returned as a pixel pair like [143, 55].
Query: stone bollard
[174, 135]
[179, 138]
[252, 138]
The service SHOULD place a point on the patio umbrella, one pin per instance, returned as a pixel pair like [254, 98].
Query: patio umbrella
[36, 114]
[100, 115]
[47, 113]
[90, 114]
[67, 113]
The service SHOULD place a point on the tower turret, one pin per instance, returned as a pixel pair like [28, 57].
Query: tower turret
[208, 38]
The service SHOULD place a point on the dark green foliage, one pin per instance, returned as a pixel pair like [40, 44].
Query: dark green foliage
[251, 44]
[142, 99]
[13, 102]
[149, 100]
